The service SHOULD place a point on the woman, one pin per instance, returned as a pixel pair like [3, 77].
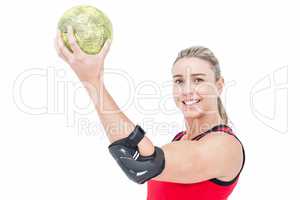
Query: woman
[202, 162]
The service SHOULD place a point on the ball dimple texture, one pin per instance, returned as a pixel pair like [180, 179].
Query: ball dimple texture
[91, 28]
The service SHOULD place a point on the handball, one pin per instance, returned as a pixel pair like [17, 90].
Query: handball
[91, 28]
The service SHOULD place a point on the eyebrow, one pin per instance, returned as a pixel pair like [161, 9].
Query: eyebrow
[198, 74]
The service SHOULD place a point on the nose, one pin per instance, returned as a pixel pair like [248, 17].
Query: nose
[187, 88]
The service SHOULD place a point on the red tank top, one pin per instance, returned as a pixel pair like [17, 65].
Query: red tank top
[213, 189]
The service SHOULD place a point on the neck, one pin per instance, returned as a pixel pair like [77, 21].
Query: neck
[196, 126]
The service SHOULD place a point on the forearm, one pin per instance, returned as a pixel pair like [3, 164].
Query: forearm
[116, 124]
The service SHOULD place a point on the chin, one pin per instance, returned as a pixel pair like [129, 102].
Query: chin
[192, 114]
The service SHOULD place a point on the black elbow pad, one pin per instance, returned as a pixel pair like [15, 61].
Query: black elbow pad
[137, 168]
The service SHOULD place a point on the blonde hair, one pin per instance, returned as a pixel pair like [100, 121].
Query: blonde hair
[206, 54]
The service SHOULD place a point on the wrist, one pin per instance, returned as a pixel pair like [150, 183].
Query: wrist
[94, 87]
[92, 81]
[90, 84]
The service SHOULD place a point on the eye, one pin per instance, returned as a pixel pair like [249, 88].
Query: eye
[197, 80]
[178, 81]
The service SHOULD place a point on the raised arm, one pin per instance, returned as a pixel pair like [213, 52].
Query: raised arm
[89, 69]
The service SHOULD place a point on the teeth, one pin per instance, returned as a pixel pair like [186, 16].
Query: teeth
[190, 102]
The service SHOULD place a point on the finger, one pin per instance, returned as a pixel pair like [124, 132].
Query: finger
[63, 49]
[57, 49]
[105, 48]
[72, 41]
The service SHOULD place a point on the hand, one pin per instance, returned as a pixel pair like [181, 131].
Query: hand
[87, 67]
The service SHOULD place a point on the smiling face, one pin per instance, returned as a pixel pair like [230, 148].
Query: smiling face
[195, 88]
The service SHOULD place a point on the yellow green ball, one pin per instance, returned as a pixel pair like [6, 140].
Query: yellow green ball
[91, 28]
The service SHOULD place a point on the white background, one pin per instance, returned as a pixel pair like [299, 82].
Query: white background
[52, 145]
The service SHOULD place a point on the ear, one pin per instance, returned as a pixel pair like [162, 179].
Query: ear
[220, 85]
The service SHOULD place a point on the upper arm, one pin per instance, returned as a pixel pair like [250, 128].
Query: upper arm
[214, 156]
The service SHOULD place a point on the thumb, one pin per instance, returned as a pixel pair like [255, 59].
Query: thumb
[105, 48]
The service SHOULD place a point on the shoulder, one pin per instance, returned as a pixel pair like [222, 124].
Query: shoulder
[223, 143]
[221, 138]
[216, 155]
[225, 149]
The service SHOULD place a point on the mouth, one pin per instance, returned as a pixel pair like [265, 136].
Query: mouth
[191, 102]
